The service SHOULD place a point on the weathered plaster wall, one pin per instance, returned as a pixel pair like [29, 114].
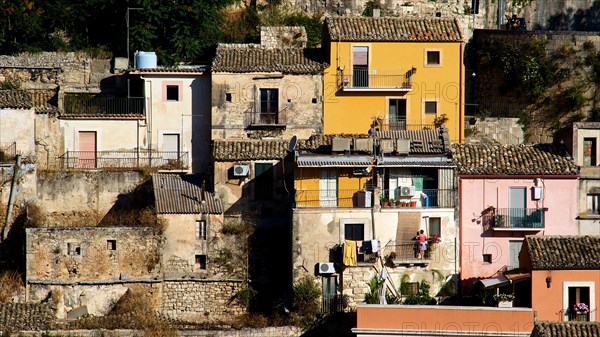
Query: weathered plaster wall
[48, 141]
[135, 254]
[300, 98]
[110, 134]
[73, 192]
[18, 126]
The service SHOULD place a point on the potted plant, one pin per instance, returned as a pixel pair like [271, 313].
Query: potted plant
[504, 300]
[392, 203]
[398, 203]
[385, 202]
[580, 312]
[413, 203]
[440, 120]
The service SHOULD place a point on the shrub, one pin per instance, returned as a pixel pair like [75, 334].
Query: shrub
[10, 285]
[305, 301]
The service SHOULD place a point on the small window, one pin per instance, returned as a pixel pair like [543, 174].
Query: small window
[487, 258]
[592, 204]
[431, 107]
[201, 229]
[172, 93]
[433, 57]
[200, 262]
[73, 249]
[313, 101]
[228, 97]
[435, 227]
[474, 6]
[589, 152]
[354, 231]
[111, 244]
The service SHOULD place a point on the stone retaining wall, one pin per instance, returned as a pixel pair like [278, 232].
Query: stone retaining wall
[284, 331]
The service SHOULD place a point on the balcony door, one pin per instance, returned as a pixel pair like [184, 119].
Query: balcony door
[87, 149]
[517, 206]
[328, 188]
[397, 114]
[171, 146]
[269, 106]
[360, 66]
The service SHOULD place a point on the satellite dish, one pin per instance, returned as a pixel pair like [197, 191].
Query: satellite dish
[292, 144]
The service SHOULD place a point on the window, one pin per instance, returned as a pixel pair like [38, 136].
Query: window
[433, 57]
[579, 292]
[111, 244]
[200, 262]
[397, 114]
[431, 107]
[269, 106]
[592, 203]
[328, 188]
[360, 66]
[263, 181]
[435, 227]
[73, 249]
[201, 229]
[354, 231]
[589, 152]
[228, 97]
[474, 6]
[487, 258]
[172, 93]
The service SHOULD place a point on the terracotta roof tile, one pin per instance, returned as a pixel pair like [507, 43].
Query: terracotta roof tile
[566, 329]
[513, 160]
[579, 252]
[245, 58]
[393, 29]
[15, 99]
[44, 101]
[25, 316]
[232, 150]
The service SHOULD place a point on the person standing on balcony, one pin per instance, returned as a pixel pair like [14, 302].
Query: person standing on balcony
[422, 238]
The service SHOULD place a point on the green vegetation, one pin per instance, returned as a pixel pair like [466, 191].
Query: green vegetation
[305, 301]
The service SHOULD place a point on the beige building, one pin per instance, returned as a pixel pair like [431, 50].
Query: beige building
[586, 151]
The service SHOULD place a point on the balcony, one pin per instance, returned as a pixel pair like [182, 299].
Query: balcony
[426, 198]
[8, 152]
[166, 160]
[403, 124]
[362, 80]
[102, 105]
[333, 198]
[254, 119]
[405, 253]
[516, 219]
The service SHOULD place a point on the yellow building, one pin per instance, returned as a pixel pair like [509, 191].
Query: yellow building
[408, 73]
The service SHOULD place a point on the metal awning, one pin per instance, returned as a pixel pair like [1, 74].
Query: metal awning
[334, 161]
[416, 161]
[494, 282]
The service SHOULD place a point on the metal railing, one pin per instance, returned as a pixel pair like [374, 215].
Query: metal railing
[330, 198]
[8, 152]
[402, 124]
[361, 79]
[252, 117]
[516, 218]
[426, 198]
[102, 104]
[167, 160]
[405, 251]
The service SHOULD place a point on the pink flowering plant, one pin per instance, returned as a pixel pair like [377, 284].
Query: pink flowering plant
[581, 308]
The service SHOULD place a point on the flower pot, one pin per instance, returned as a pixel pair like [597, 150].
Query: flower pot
[580, 317]
[386, 204]
[413, 203]
[505, 304]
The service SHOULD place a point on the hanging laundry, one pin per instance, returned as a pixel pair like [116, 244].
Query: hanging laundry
[367, 248]
[375, 246]
[349, 253]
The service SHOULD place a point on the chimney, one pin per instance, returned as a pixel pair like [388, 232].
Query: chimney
[376, 12]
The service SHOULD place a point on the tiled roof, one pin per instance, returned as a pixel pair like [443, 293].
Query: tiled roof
[226, 150]
[15, 99]
[566, 329]
[188, 70]
[393, 29]
[44, 101]
[176, 194]
[250, 59]
[581, 252]
[422, 141]
[513, 160]
[25, 317]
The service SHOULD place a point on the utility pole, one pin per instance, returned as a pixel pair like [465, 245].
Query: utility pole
[127, 22]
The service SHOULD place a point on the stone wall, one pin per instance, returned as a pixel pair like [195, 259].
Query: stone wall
[201, 300]
[282, 331]
[283, 37]
[494, 131]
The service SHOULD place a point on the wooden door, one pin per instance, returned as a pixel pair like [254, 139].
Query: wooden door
[87, 149]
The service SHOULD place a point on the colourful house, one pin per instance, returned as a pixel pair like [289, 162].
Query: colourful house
[565, 272]
[506, 193]
[408, 73]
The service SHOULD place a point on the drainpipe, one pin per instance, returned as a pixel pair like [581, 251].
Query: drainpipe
[148, 115]
[11, 198]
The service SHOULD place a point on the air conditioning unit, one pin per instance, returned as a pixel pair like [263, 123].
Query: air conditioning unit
[407, 191]
[387, 145]
[326, 268]
[403, 146]
[363, 144]
[339, 144]
[241, 170]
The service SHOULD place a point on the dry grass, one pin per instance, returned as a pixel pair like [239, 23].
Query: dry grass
[145, 217]
[11, 283]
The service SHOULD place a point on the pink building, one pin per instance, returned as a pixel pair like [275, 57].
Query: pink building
[506, 193]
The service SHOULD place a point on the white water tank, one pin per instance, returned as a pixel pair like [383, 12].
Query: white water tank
[145, 59]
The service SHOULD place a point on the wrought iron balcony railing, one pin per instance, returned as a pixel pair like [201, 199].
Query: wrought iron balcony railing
[102, 105]
[361, 79]
[516, 218]
[255, 118]
[426, 198]
[333, 198]
[8, 152]
[167, 160]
